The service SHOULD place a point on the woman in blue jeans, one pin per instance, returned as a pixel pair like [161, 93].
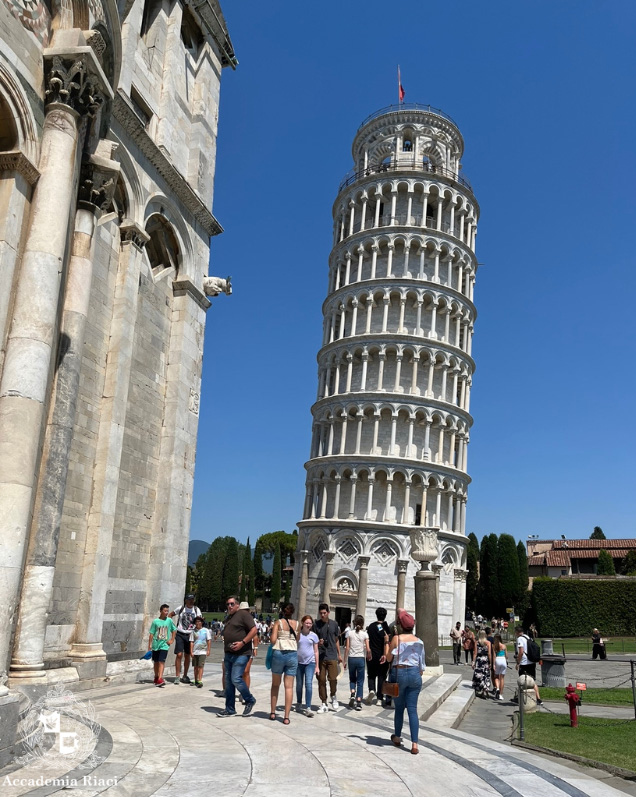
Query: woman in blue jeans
[284, 638]
[307, 664]
[357, 651]
[406, 653]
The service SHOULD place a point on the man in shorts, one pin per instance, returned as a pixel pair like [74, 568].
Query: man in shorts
[201, 639]
[185, 615]
[162, 632]
[376, 672]
[524, 665]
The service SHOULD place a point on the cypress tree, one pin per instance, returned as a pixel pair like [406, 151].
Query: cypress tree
[509, 582]
[629, 564]
[231, 569]
[605, 565]
[276, 578]
[524, 580]
[472, 579]
[472, 540]
[597, 534]
[488, 575]
[214, 565]
[251, 592]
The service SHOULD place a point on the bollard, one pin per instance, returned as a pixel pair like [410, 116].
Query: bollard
[573, 701]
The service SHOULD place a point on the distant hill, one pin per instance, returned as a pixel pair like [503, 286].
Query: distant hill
[195, 549]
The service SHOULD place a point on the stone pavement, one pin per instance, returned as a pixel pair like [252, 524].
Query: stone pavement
[171, 741]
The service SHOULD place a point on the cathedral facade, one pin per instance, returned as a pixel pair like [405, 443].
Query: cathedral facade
[108, 129]
[391, 422]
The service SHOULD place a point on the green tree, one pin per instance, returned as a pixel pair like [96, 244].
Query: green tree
[605, 564]
[472, 579]
[523, 600]
[488, 589]
[244, 569]
[251, 591]
[508, 580]
[259, 574]
[472, 540]
[597, 534]
[231, 569]
[628, 567]
[276, 578]
[209, 572]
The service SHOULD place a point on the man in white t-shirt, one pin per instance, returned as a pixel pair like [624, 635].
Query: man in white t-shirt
[524, 665]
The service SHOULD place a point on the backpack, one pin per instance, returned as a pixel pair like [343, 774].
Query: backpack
[533, 651]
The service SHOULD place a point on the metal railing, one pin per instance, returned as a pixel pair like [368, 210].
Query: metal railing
[407, 106]
[401, 220]
[428, 168]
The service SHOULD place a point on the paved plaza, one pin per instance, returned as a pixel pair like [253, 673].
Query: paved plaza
[171, 741]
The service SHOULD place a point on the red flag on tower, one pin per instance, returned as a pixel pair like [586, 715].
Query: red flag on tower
[401, 91]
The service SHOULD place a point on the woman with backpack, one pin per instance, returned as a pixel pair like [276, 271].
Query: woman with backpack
[284, 639]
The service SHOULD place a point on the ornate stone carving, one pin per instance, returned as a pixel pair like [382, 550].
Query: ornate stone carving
[345, 585]
[97, 184]
[318, 550]
[348, 549]
[68, 82]
[424, 544]
[385, 553]
[95, 40]
[18, 162]
[363, 561]
[459, 574]
[131, 232]
[193, 404]
[213, 286]
[403, 565]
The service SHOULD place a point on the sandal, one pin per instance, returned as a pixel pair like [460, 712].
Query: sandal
[272, 716]
[397, 741]
[286, 721]
[414, 751]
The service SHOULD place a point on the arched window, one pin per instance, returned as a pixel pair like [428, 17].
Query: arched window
[191, 35]
[162, 248]
[407, 145]
[8, 128]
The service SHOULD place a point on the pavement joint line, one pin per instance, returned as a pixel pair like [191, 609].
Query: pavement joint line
[483, 774]
[554, 780]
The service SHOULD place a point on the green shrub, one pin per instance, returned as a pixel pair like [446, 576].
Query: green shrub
[569, 608]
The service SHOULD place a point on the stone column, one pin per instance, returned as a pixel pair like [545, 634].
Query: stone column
[363, 581]
[304, 583]
[97, 184]
[400, 597]
[459, 594]
[424, 549]
[326, 587]
[94, 558]
[171, 518]
[71, 94]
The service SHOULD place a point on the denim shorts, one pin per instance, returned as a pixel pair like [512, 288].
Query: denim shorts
[284, 662]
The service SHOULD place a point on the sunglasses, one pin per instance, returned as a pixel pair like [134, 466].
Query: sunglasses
[231, 603]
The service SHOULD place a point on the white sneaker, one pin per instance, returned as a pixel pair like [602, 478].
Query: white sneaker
[309, 713]
[370, 698]
[324, 709]
[334, 704]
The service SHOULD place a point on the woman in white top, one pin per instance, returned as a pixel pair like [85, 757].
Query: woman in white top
[284, 638]
[406, 652]
[356, 652]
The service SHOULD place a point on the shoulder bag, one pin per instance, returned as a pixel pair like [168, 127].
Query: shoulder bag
[391, 688]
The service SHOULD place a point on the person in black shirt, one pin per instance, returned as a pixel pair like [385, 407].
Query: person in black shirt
[376, 672]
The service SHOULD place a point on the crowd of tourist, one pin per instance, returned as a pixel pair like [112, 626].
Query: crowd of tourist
[390, 657]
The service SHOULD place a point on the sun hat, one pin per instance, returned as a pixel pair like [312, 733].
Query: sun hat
[244, 605]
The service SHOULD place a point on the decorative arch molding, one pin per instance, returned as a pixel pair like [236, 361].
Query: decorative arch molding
[134, 191]
[345, 582]
[161, 205]
[13, 95]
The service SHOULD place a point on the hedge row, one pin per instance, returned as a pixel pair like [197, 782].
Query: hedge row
[570, 608]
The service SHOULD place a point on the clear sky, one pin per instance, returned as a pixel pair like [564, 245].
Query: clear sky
[543, 93]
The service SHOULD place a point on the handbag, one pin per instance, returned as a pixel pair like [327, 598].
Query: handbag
[391, 688]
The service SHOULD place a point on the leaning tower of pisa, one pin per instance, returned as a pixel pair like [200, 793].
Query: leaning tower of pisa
[391, 421]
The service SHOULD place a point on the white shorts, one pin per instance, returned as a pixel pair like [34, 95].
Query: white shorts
[500, 665]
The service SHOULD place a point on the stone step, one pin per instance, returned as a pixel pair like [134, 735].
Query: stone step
[435, 691]
[451, 712]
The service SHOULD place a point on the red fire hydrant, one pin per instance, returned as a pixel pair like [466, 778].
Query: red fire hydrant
[573, 701]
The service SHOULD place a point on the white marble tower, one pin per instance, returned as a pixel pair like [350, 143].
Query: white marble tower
[391, 421]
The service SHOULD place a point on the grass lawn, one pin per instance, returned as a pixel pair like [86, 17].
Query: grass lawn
[610, 741]
[212, 616]
[606, 697]
[616, 645]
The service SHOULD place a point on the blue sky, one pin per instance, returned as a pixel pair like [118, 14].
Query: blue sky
[543, 94]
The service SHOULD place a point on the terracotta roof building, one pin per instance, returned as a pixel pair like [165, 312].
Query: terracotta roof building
[556, 558]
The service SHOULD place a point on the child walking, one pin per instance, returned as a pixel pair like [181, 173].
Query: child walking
[201, 639]
[162, 634]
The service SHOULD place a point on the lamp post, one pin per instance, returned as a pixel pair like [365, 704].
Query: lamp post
[424, 549]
